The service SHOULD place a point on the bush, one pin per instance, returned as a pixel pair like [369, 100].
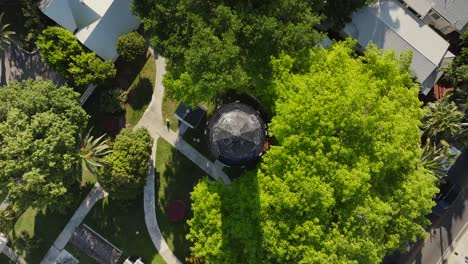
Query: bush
[61, 50]
[58, 47]
[124, 174]
[130, 46]
[112, 100]
[87, 68]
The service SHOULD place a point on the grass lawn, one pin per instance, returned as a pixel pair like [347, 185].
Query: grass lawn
[119, 225]
[176, 177]
[140, 92]
[4, 259]
[87, 178]
[79, 255]
[169, 107]
[41, 231]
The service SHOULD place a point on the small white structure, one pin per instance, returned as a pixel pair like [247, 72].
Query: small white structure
[137, 261]
[391, 26]
[96, 23]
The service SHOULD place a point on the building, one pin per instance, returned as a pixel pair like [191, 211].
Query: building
[237, 134]
[389, 25]
[446, 16]
[96, 24]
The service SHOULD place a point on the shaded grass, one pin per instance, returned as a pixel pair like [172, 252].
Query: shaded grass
[4, 259]
[40, 231]
[169, 107]
[176, 177]
[87, 178]
[140, 92]
[119, 224]
[79, 255]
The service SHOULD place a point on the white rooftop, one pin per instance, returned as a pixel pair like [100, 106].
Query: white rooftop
[390, 26]
[96, 23]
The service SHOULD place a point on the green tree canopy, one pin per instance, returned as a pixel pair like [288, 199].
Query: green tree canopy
[215, 46]
[124, 172]
[58, 47]
[39, 139]
[130, 46]
[344, 183]
[86, 68]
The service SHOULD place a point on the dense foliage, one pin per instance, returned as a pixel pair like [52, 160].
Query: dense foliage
[123, 176]
[39, 139]
[344, 183]
[130, 46]
[112, 100]
[61, 50]
[219, 45]
[87, 68]
[58, 47]
[225, 227]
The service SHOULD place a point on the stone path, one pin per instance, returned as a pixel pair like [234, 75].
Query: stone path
[153, 121]
[96, 194]
[18, 64]
[150, 214]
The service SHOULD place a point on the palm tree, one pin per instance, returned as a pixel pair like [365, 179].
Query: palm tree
[436, 159]
[442, 120]
[92, 152]
[4, 34]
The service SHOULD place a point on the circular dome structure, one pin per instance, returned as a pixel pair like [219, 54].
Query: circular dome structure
[237, 134]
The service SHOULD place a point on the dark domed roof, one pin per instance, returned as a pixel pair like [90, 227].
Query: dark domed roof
[237, 134]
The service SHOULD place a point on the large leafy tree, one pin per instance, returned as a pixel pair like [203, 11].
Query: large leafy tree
[58, 47]
[87, 68]
[123, 175]
[217, 45]
[344, 183]
[39, 143]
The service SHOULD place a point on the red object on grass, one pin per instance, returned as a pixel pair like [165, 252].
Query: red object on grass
[175, 210]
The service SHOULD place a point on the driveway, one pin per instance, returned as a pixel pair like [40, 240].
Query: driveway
[18, 64]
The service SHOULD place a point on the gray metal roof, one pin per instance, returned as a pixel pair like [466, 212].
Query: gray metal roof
[455, 11]
[390, 26]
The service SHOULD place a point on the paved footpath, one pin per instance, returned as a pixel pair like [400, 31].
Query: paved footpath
[153, 121]
[96, 194]
[150, 214]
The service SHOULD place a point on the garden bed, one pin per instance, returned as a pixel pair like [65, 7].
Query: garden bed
[176, 177]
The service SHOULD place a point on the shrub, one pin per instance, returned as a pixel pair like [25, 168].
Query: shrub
[124, 175]
[58, 47]
[112, 100]
[87, 68]
[130, 46]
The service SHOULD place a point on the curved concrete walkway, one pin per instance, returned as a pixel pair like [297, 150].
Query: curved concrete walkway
[153, 121]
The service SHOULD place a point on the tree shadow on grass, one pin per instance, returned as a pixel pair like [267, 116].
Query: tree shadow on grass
[128, 71]
[140, 95]
[176, 177]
